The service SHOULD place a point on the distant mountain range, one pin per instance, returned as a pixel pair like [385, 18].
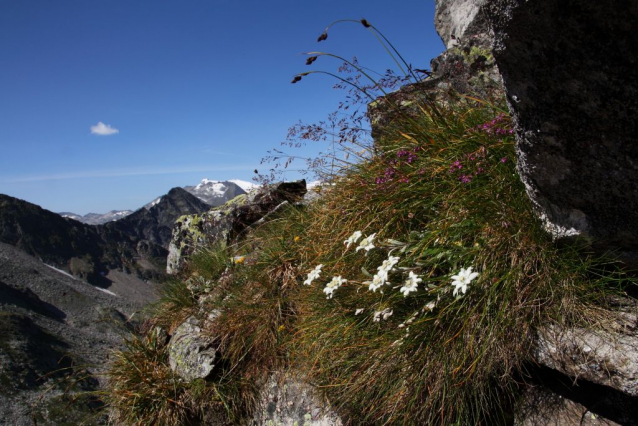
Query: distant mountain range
[97, 218]
[92, 245]
[68, 291]
[213, 193]
[135, 244]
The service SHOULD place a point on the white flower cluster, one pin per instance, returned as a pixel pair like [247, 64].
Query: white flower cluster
[460, 282]
[365, 244]
[381, 277]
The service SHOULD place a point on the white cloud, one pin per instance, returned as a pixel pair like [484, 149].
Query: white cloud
[103, 129]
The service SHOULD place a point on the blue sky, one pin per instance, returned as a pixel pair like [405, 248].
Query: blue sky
[195, 88]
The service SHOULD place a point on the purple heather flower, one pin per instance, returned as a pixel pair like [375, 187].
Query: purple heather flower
[456, 165]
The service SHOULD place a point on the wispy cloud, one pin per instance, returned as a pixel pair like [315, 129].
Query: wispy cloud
[88, 174]
[103, 129]
[215, 152]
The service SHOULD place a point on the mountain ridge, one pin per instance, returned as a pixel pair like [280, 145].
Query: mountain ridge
[213, 192]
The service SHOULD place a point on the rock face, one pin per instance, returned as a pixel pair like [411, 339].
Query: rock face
[220, 225]
[192, 354]
[456, 18]
[598, 357]
[570, 69]
[467, 67]
[289, 401]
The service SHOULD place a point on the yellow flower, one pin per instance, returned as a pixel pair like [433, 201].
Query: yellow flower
[281, 328]
[239, 259]
[297, 239]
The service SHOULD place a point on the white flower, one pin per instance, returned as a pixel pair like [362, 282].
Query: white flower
[410, 284]
[388, 264]
[366, 243]
[377, 281]
[384, 314]
[353, 238]
[313, 275]
[462, 280]
[358, 311]
[334, 284]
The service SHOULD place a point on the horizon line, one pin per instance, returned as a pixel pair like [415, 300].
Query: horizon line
[122, 173]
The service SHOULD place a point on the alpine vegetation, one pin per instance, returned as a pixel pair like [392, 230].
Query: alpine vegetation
[410, 292]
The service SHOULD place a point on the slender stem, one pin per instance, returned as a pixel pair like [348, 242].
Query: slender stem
[358, 68]
[397, 52]
[343, 80]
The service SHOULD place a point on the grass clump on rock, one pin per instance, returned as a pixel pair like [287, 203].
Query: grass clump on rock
[410, 292]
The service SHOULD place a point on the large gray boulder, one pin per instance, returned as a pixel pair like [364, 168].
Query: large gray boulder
[608, 358]
[570, 70]
[456, 19]
[287, 400]
[192, 353]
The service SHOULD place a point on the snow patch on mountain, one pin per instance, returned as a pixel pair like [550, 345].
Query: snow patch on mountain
[60, 271]
[103, 290]
[246, 186]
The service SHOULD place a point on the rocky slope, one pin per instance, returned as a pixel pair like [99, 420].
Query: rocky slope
[56, 329]
[55, 334]
[87, 251]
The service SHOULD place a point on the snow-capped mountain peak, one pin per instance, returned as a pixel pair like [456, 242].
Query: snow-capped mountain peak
[211, 187]
[216, 193]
